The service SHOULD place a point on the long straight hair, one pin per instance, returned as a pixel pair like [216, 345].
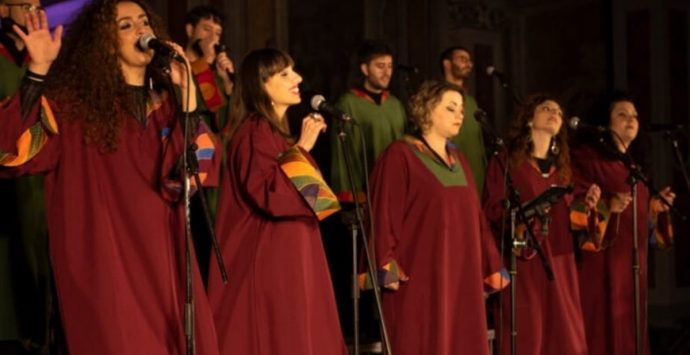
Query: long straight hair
[250, 96]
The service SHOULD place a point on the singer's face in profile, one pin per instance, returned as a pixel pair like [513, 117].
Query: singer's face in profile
[624, 121]
[377, 73]
[132, 23]
[283, 88]
[461, 65]
[548, 117]
[447, 115]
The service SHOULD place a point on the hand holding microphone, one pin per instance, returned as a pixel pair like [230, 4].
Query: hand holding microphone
[319, 103]
[312, 125]
[149, 41]
[223, 63]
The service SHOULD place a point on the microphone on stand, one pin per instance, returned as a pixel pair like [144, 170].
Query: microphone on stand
[575, 123]
[492, 71]
[319, 103]
[482, 117]
[149, 41]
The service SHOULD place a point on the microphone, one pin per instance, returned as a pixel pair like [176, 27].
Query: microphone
[492, 71]
[149, 41]
[482, 117]
[220, 48]
[318, 103]
[576, 123]
[664, 127]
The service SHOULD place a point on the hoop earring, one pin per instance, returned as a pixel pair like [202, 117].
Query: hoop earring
[554, 146]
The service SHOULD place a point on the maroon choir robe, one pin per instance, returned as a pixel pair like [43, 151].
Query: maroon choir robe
[116, 227]
[430, 227]
[605, 270]
[279, 299]
[549, 317]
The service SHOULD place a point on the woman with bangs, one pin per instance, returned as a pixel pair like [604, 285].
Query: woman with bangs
[548, 312]
[98, 121]
[434, 250]
[279, 299]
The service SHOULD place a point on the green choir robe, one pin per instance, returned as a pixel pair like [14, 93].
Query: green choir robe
[470, 142]
[379, 124]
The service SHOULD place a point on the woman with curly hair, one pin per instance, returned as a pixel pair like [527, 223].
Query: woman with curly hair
[102, 127]
[434, 249]
[280, 300]
[549, 318]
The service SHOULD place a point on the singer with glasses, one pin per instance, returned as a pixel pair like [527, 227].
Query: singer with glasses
[605, 270]
[97, 119]
[436, 257]
[280, 299]
[548, 313]
[26, 296]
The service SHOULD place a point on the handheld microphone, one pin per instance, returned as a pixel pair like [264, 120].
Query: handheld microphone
[319, 103]
[492, 71]
[220, 48]
[576, 123]
[149, 41]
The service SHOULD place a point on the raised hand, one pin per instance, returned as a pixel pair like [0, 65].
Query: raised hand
[43, 47]
[312, 125]
[592, 196]
[658, 206]
[224, 66]
[619, 202]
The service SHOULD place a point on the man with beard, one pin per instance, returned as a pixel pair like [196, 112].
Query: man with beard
[456, 66]
[380, 116]
[24, 264]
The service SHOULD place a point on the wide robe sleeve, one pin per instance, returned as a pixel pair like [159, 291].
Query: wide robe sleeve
[28, 142]
[389, 181]
[589, 227]
[262, 163]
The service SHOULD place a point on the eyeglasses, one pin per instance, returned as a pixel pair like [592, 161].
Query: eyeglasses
[27, 7]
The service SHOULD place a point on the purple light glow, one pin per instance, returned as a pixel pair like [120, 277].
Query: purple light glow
[63, 12]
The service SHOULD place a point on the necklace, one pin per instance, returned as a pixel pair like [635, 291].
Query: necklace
[438, 157]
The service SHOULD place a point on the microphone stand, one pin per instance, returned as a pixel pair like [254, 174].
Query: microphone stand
[512, 203]
[517, 100]
[358, 222]
[635, 176]
[673, 138]
[190, 167]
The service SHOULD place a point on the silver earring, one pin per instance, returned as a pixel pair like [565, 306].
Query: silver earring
[554, 147]
[150, 83]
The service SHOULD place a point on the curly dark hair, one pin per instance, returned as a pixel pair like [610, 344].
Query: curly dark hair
[519, 142]
[86, 78]
[425, 99]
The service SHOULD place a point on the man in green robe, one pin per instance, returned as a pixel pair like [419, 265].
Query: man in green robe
[380, 118]
[456, 65]
[25, 286]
